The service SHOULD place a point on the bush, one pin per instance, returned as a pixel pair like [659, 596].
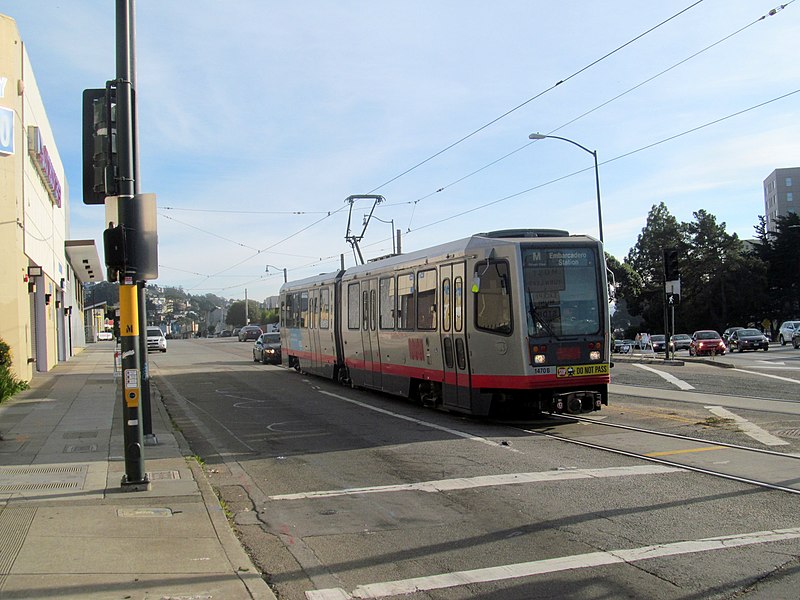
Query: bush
[9, 384]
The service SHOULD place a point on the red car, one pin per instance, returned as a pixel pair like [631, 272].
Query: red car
[708, 342]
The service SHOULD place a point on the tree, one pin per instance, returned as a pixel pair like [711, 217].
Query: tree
[661, 231]
[236, 315]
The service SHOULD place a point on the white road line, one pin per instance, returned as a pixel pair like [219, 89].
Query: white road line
[552, 565]
[748, 428]
[464, 483]
[455, 432]
[778, 377]
[679, 383]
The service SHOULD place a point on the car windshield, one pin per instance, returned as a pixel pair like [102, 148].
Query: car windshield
[748, 332]
[707, 335]
[271, 338]
[153, 331]
[681, 336]
[657, 338]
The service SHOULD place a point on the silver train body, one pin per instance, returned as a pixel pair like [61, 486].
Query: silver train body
[507, 319]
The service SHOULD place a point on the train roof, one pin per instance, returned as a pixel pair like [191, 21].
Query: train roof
[449, 250]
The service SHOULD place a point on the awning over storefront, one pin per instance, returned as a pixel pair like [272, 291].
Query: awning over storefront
[82, 255]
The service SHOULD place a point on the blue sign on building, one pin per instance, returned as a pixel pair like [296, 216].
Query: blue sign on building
[6, 131]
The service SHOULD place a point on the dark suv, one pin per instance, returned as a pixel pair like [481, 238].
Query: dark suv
[249, 332]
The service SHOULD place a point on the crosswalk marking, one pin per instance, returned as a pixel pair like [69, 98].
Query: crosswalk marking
[553, 565]
[463, 483]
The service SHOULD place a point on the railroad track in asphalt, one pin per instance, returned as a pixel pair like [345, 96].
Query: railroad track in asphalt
[754, 466]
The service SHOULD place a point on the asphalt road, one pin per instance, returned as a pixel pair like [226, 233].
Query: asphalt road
[341, 493]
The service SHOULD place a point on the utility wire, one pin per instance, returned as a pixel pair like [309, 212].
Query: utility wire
[605, 162]
[773, 12]
[539, 95]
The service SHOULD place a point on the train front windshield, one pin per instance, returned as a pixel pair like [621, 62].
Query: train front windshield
[562, 291]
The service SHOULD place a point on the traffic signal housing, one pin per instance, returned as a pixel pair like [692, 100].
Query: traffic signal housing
[671, 267]
[99, 144]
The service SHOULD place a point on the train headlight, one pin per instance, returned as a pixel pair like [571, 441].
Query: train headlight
[594, 355]
[539, 359]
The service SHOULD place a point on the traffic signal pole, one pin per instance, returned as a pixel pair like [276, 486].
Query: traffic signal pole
[135, 477]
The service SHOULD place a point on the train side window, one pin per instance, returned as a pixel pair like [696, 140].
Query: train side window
[461, 353]
[426, 299]
[493, 299]
[387, 297]
[365, 309]
[458, 304]
[303, 309]
[447, 317]
[405, 301]
[448, 352]
[324, 308]
[373, 309]
[353, 295]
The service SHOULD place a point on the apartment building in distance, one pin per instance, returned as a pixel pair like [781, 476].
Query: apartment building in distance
[781, 195]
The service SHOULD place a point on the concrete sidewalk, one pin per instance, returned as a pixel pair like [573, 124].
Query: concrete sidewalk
[68, 530]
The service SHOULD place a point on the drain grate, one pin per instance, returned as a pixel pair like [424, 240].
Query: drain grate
[790, 433]
[25, 487]
[154, 475]
[43, 478]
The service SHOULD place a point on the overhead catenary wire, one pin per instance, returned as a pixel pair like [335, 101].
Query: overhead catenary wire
[329, 214]
[532, 98]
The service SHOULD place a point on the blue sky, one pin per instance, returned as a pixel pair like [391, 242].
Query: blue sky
[258, 119]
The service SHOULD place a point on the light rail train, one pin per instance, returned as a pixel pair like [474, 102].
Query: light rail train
[506, 319]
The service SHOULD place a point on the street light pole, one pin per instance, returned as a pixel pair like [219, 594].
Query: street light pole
[539, 136]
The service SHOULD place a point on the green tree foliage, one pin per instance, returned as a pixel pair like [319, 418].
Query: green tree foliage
[723, 281]
[236, 316]
[646, 259]
[781, 251]
[9, 383]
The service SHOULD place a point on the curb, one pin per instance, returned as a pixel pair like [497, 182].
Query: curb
[238, 559]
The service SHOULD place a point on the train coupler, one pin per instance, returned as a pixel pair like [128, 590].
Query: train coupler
[574, 403]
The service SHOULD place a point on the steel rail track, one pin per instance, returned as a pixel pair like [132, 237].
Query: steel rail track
[661, 461]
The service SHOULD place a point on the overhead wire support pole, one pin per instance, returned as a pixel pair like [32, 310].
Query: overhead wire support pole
[135, 477]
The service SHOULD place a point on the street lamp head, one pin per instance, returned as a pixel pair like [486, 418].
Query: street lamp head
[536, 136]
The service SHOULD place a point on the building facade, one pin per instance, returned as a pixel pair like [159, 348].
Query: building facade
[781, 195]
[42, 270]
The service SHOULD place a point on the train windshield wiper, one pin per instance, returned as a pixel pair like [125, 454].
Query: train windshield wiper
[538, 319]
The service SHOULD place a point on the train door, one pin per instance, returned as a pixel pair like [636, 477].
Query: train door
[456, 389]
[313, 330]
[369, 333]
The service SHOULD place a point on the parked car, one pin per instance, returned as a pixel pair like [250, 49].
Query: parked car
[748, 339]
[249, 332]
[680, 341]
[727, 333]
[105, 336]
[225, 333]
[786, 331]
[623, 346]
[267, 349]
[658, 342]
[708, 342]
[156, 340]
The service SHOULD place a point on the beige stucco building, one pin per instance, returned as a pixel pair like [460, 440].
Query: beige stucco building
[41, 269]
